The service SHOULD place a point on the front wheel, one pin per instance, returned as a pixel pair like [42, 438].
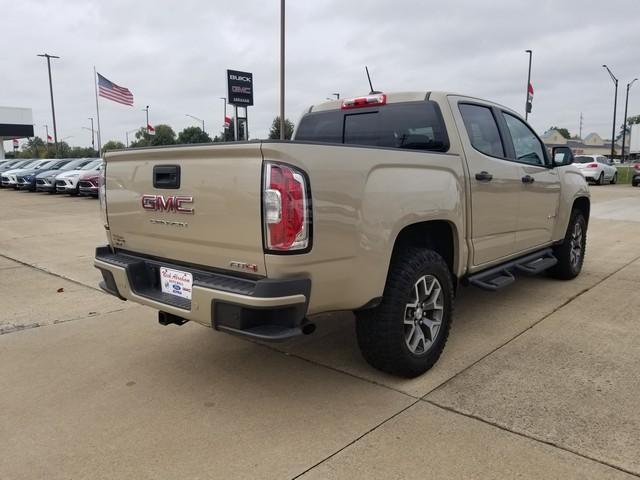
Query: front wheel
[407, 332]
[570, 253]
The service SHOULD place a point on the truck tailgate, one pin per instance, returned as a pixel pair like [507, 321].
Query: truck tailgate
[221, 184]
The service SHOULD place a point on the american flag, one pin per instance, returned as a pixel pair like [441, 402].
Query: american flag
[114, 92]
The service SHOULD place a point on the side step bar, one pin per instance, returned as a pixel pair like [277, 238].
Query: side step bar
[502, 275]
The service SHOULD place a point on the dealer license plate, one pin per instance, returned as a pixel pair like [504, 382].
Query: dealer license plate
[176, 282]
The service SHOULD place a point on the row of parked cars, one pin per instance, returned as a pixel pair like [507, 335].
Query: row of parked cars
[77, 176]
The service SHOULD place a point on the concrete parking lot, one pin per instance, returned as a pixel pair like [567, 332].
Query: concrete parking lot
[540, 380]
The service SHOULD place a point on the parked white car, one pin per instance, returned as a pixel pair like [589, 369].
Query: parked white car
[67, 182]
[9, 178]
[597, 169]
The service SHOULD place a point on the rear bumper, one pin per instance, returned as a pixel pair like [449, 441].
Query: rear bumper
[264, 309]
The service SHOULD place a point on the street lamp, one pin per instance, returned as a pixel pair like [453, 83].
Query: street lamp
[93, 144]
[615, 104]
[146, 109]
[53, 108]
[126, 135]
[198, 119]
[282, 121]
[624, 125]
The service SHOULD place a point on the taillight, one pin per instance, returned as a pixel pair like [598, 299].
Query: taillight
[368, 101]
[286, 208]
[592, 165]
[636, 166]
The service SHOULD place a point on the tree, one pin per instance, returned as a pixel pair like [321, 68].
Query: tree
[562, 131]
[193, 135]
[630, 121]
[33, 148]
[112, 145]
[164, 136]
[274, 133]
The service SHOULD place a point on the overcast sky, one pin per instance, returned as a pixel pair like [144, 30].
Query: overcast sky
[173, 55]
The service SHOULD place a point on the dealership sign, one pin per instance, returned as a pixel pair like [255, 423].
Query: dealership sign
[240, 88]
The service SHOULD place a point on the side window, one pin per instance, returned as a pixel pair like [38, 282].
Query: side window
[482, 129]
[527, 146]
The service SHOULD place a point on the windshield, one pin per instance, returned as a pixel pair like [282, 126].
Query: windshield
[45, 164]
[76, 164]
[30, 164]
[93, 165]
[584, 159]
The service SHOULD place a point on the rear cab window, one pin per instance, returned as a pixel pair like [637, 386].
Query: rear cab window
[408, 125]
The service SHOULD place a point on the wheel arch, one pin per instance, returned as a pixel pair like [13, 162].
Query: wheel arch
[440, 236]
[583, 204]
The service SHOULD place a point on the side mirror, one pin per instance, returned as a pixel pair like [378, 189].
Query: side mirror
[562, 156]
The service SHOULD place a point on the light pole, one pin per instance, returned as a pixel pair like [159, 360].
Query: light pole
[196, 118]
[282, 124]
[527, 108]
[615, 104]
[93, 143]
[224, 118]
[146, 109]
[126, 136]
[46, 129]
[624, 125]
[53, 108]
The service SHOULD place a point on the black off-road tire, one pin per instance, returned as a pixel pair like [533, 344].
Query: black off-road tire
[381, 330]
[566, 269]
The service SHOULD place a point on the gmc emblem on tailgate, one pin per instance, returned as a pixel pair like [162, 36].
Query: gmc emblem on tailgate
[170, 203]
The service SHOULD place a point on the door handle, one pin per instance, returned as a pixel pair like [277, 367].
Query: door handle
[484, 176]
[528, 179]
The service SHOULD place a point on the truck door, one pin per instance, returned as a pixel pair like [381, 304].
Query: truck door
[539, 190]
[494, 181]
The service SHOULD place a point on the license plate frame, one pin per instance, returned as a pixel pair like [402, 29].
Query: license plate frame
[176, 282]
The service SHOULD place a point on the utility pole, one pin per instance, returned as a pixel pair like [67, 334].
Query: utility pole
[53, 108]
[615, 104]
[282, 122]
[526, 104]
[46, 140]
[624, 125]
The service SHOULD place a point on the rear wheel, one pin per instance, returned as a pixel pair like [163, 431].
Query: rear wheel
[614, 180]
[570, 253]
[600, 180]
[407, 332]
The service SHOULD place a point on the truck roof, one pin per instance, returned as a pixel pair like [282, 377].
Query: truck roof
[398, 97]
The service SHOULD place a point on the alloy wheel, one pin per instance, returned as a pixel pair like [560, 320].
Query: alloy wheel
[423, 315]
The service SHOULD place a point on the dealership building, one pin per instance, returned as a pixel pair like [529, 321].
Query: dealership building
[15, 123]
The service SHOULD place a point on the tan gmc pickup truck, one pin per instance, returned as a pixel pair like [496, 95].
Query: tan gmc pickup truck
[383, 205]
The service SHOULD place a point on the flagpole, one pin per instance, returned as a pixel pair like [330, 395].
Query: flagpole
[95, 86]
[526, 105]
